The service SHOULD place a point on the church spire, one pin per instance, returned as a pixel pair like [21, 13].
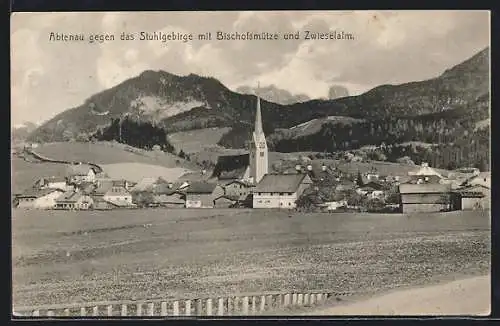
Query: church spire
[258, 116]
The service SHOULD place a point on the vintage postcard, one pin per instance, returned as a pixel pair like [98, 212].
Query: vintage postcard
[268, 163]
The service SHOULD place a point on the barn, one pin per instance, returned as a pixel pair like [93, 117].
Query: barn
[472, 198]
[202, 194]
[424, 197]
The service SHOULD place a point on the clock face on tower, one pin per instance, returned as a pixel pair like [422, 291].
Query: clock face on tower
[262, 145]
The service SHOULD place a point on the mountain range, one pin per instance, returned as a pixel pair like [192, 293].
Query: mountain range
[181, 103]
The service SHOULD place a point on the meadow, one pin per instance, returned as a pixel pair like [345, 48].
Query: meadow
[71, 257]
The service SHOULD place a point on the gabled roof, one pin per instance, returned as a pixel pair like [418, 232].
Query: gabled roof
[280, 182]
[230, 182]
[37, 193]
[201, 188]
[231, 166]
[227, 198]
[117, 191]
[69, 197]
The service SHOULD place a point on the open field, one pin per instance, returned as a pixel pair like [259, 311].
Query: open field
[137, 171]
[194, 141]
[109, 153]
[24, 174]
[63, 257]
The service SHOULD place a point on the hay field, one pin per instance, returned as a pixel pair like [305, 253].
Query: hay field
[73, 257]
[194, 141]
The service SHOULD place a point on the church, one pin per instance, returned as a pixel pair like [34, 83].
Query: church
[270, 190]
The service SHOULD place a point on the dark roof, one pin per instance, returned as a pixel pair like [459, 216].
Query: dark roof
[229, 182]
[231, 166]
[374, 185]
[227, 198]
[167, 189]
[431, 179]
[69, 197]
[201, 188]
[36, 193]
[280, 182]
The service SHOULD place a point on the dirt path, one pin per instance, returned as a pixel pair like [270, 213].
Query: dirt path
[471, 296]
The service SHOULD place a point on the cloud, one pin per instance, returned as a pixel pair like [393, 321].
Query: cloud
[389, 47]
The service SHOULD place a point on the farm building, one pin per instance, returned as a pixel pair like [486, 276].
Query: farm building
[224, 202]
[482, 179]
[232, 167]
[237, 189]
[38, 198]
[172, 200]
[280, 190]
[202, 194]
[80, 173]
[425, 171]
[472, 198]
[424, 197]
[52, 183]
[74, 201]
[100, 203]
[118, 196]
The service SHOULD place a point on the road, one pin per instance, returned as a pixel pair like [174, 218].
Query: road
[471, 296]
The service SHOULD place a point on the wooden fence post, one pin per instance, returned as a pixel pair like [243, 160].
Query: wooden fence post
[220, 307]
[254, 304]
[312, 298]
[244, 306]
[300, 297]
[139, 309]
[175, 308]
[187, 308]
[262, 302]
[306, 299]
[95, 311]
[318, 297]
[163, 309]
[124, 310]
[83, 311]
[269, 300]
[151, 309]
[66, 312]
[236, 304]
[110, 310]
[199, 307]
[286, 302]
[209, 307]
[228, 306]
[294, 299]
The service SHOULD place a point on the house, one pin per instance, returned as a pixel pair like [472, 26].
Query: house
[169, 195]
[224, 202]
[232, 167]
[482, 179]
[74, 200]
[52, 183]
[202, 194]
[118, 196]
[371, 176]
[123, 183]
[80, 173]
[472, 198]
[424, 197]
[280, 190]
[38, 198]
[101, 204]
[425, 170]
[237, 189]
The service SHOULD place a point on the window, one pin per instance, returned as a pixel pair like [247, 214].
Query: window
[290, 193]
[261, 154]
[289, 204]
[281, 193]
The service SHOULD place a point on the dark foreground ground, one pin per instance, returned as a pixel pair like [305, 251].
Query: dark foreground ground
[70, 257]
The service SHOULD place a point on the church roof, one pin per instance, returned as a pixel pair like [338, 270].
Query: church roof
[231, 166]
[280, 182]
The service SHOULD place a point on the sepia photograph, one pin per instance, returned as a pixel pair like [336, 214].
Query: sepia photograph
[250, 164]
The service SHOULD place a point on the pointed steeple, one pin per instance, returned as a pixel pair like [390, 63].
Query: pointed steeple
[258, 116]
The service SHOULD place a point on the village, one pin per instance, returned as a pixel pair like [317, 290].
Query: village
[243, 181]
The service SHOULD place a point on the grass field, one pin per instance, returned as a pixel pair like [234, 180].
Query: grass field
[195, 141]
[69, 257]
[24, 174]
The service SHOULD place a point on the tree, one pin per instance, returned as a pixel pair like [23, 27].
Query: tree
[359, 179]
[182, 154]
[67, 135]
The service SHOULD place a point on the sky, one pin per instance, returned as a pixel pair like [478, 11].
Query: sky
[389, 47]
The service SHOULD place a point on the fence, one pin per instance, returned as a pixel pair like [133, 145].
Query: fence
[242, 305]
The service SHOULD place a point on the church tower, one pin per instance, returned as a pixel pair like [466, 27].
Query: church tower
[258, 149]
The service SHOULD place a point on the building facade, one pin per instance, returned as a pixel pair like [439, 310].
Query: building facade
[202, 194]
[280, 190]
[420, 198]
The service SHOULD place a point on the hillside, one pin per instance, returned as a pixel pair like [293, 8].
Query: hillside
[181, 103]
[274, 94]
[20, 133]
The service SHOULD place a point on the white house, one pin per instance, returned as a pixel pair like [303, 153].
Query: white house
[482, 179]
[81, 173]
[280, 190]
[54, 183]
[119, 196]
[39, 198]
